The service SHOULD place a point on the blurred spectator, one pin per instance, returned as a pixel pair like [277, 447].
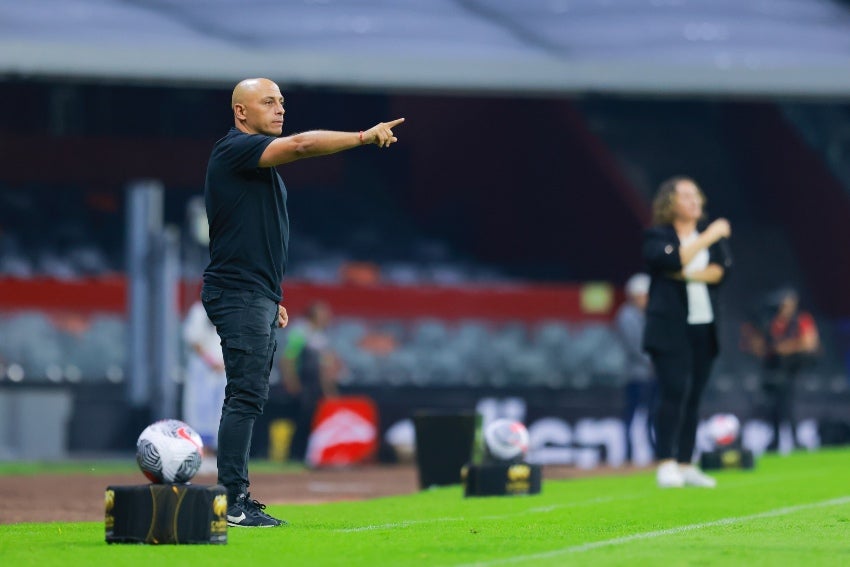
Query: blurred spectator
[640, 379]
[203, 392]
[309, 369]
[785, 339]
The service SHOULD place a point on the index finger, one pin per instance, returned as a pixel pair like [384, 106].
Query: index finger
[395, 122]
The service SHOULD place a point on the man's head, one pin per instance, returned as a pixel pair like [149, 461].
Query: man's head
[637, 290]
[319, 314]
[788, 302]
[258, 107]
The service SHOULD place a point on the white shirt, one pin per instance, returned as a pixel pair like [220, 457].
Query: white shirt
[199, 330]
[699, 302]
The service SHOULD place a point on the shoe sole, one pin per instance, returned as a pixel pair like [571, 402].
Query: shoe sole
[246, 526]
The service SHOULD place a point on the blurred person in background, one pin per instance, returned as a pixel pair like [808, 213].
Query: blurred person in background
[245, 201]
[310, 370]
[688, 261]
[640, 379]
[203, 391]
[785, 340]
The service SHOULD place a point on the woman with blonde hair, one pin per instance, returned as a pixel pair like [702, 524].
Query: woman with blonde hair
[687, 260]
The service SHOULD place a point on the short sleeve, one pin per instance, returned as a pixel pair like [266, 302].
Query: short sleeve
[806, 324]
[295, 343]
[242, 151]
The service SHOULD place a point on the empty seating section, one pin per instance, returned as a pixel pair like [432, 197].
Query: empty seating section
[36, 347]
[472, 353]
[87, 241]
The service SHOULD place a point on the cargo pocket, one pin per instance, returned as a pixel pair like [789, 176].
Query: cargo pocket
[273, 353]
[210, 295]
[247, 356]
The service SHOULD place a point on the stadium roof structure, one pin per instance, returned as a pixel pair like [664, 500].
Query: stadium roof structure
[709, 47]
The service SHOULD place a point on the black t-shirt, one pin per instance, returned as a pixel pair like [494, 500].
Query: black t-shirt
[246, 208]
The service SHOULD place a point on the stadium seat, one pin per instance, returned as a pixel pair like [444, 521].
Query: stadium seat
[441, 367]
[429, 334]
[32, 341]
[399, 367]
[346, 332]
[471, 336]
[551, 336]
[529, 367]
[100, 352]
[363, 369]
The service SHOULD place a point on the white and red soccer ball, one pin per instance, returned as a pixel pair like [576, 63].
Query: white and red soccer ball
[506, 440]
[169, 451]
[723, 429]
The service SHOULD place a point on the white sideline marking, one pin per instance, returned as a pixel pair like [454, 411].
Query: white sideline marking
[330, 487]
[537, 510]
[659, 533]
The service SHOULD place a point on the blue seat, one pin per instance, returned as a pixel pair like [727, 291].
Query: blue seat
[100, 353]
[430, 334]
[551, 336]
[31, 341]
[399, 367]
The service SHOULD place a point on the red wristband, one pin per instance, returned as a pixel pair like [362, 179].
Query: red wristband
[361, 136]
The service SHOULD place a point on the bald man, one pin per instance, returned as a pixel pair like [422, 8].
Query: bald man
[249, 240]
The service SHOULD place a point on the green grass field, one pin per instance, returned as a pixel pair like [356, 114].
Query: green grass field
[792, 510]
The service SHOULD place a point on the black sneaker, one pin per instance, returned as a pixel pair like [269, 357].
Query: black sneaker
[247, 513]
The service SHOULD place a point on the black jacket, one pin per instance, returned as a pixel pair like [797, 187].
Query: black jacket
[667, 311]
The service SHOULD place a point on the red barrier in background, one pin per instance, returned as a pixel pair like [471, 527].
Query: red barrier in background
[507, 302]
[519, 302]
[83, 295]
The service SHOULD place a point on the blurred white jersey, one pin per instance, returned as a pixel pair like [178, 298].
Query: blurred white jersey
[203, 393]
[199, 330]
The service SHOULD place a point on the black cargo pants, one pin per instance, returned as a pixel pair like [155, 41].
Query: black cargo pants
[246, 322]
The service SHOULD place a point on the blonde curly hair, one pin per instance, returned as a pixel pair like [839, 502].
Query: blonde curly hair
[664, 203]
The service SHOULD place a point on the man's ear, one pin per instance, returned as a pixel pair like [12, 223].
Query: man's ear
[239, 111]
